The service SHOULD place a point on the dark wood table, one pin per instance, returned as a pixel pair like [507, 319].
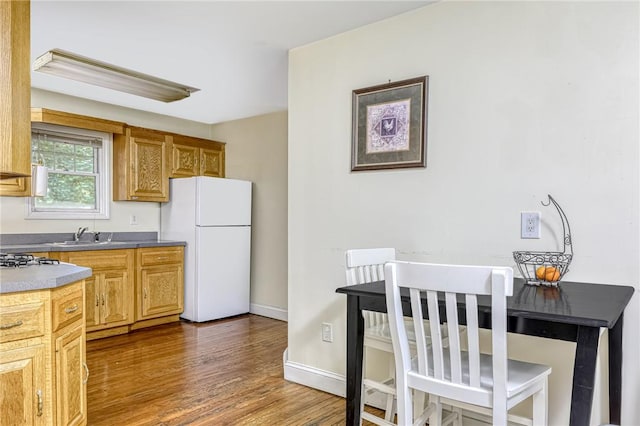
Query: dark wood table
[572, 312]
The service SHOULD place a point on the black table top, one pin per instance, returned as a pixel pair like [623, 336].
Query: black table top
[593, 305]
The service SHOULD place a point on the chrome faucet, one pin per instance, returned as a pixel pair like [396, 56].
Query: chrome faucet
[78, 234]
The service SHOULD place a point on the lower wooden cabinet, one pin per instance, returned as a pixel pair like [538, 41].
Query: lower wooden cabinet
[22, 386]
[160, 282]
[109, 291]
[43, 371]
[71, 378]
[130, 288]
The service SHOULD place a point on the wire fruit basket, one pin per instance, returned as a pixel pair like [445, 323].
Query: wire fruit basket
[547, 267]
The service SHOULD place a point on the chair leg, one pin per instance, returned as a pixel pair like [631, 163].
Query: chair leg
[388, 410]
[540, 407]
[458, 420]
[436, 417]
[405, 412]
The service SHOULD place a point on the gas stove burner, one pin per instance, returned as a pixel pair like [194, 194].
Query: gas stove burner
[17, 260]
[47, 261]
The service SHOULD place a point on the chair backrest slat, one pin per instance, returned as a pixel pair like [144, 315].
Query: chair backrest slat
[365, 266]
[454, 337]
[452, 283]
[473, 339]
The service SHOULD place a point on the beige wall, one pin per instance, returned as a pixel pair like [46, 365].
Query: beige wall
[257, 151]
[526, 99]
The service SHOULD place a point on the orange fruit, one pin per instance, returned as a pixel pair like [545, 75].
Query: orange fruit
[547, 273]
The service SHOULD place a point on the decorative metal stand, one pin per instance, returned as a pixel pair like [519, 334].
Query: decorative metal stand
[547, 267]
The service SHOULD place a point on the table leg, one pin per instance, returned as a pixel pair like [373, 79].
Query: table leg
[584, 374]
[615, 372]
[355, 339]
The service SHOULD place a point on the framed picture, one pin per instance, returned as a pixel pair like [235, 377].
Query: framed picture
[390, 125]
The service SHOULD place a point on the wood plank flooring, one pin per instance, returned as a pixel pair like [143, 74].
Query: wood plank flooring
[226, 372]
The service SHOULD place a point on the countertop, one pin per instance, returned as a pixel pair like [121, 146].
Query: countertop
[40, 277]
[51, 247]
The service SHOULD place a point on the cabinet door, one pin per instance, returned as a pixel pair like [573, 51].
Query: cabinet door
[149, 180]
[71, 375]
[185, 161]
[22, 386]
[162, 291]
[211, 162]
[20, 187]
[92, 301]
[116, 304]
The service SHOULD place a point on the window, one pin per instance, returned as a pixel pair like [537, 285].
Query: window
[78, 182]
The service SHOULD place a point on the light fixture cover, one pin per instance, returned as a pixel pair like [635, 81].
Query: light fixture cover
[69, 65]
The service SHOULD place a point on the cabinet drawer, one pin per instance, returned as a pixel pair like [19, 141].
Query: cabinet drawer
[21, 321]
[67, 309]
[160, 256]
[107, 259]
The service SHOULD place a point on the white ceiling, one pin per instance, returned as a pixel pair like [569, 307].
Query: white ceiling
[234, 51]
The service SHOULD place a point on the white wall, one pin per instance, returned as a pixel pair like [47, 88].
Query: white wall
[526, 99]
[257, 151]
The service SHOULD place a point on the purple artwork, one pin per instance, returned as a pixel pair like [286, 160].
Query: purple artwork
[388, 126]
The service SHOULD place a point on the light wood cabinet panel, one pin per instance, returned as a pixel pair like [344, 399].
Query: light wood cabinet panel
[71, 375]
[109, 295]
[196, 157]
[186, 161]
[18, 187]
[140, 165]
[42, 375]
[160, 282]
[22, 386]
[211, 163]
[15, 89]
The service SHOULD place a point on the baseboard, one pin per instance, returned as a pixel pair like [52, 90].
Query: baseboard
[269, 312]
[312, 377]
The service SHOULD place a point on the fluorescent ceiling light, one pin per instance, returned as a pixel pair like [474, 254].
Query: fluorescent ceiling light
[76, 67]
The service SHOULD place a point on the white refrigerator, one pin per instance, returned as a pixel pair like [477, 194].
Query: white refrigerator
[213, 216]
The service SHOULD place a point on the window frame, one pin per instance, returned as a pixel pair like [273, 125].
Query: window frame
[103, 180]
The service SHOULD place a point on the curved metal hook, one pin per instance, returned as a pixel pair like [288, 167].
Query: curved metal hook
[548, 201]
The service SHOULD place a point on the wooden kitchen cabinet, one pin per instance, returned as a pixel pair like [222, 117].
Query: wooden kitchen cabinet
[15, 89]
[109, 291]
[196, 157]
[140, 165]
[43, 372]
[159, 285]
[22, 373]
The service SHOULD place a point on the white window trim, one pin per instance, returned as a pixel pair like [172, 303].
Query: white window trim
[103, 199]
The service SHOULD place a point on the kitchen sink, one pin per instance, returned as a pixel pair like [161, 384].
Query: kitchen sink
[85, 243]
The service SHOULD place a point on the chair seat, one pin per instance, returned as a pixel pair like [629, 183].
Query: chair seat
[521, 374]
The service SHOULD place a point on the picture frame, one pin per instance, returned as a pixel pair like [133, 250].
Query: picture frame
[390, 125]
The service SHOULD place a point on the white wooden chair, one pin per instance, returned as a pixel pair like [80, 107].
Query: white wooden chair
[365, 266]
[450, 375]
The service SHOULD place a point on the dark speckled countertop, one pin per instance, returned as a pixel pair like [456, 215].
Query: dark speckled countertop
[37, 243]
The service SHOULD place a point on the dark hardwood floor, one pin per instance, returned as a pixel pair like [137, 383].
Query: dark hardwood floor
[226, 372]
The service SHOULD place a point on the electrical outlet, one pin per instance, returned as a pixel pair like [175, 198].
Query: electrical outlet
[327, 332]
[530, 225]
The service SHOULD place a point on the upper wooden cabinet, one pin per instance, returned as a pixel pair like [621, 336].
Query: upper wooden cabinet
[196, 157]
[15, 89]
[140, 165]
